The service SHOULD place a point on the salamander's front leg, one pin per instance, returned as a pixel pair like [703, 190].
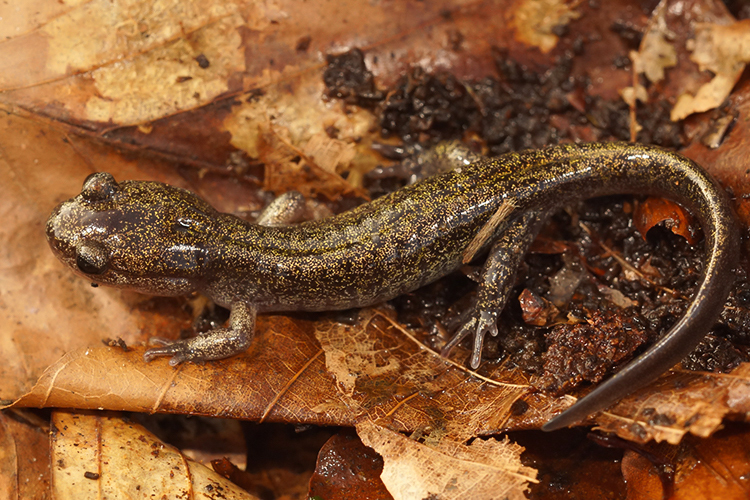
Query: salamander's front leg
[218, 343]
[498, 278]
[285, 209]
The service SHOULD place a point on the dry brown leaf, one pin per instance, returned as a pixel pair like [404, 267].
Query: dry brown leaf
[447, 468]
[664, 53]
[153, 59]
[379, 373]
[98, 455]
[330, 154]
[273, 380]
[369, 371]
[384, 373]
[137, 27]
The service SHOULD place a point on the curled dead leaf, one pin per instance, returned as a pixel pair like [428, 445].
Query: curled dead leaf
[655, 211]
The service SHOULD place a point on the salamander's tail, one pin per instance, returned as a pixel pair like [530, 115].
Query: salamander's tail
[645, 166]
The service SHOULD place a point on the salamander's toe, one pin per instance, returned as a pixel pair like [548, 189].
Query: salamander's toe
[480, 324]
[486, 323]
[179, 351]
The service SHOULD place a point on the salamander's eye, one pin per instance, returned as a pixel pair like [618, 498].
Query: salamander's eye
[183, 224]
[100, 186]
[91, 257]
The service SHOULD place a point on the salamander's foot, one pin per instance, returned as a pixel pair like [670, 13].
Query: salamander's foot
[285, 209]
[216, 344]
[178, 350]
[481, 324]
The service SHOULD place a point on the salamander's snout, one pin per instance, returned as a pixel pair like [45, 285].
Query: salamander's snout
[67, 237]
[58, 236]
[71, 230]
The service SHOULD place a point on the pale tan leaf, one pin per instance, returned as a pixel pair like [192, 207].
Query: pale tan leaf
[534, 20]
[35, 286]
[102, 456]
[656, 52]
[723, 50]
[448, 469]
[664, 54]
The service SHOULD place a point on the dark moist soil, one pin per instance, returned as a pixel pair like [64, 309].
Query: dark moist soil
[516, 110]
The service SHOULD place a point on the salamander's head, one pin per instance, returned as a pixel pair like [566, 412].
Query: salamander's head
[144, 236]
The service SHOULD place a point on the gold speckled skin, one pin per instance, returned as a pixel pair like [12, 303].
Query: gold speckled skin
[158, 239]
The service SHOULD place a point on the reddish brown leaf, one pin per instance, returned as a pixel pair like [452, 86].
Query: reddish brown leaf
[24, 456]
[347, 468]
[704, 469]
[655, 211]
[536, 310]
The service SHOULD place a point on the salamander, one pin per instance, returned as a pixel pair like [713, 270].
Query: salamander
[163, 240]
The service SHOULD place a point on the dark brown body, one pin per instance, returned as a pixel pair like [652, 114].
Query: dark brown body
[163, 240]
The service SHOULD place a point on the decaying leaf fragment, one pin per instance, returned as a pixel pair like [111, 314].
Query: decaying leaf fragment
[383, 373]
[679, 403]
[709, 36]
[349, 357]
[448, 469]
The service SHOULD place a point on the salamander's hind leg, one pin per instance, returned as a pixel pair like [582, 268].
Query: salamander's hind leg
[498, 278]
[218, 343]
